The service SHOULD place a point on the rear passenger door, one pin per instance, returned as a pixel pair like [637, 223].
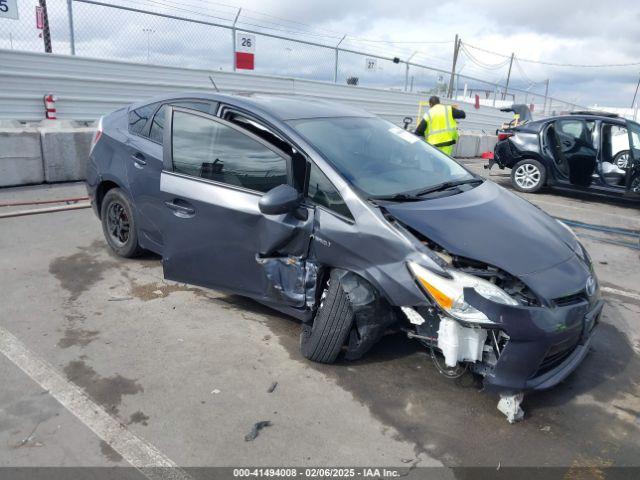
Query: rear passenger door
[575, 149]
[215, 173]
[144, 164]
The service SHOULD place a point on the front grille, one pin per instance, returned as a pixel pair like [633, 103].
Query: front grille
[557, 354]
[572, 299]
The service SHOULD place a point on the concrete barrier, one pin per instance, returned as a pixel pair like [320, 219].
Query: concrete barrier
[487, 143]
[20, 157]
[65, 151]
[58, 151]
[467, 146]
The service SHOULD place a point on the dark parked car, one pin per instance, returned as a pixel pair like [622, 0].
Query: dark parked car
[583, 151]
[352, 225]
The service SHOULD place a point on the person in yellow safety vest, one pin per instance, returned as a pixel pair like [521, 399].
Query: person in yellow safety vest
[439, 127]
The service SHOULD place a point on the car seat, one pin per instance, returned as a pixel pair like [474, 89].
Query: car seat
[612, 174]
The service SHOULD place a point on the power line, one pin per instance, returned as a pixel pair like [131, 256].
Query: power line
[285, 28]
[557, 64]
[478, 62]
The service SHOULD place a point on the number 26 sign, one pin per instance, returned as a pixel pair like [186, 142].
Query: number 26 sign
[245, 50]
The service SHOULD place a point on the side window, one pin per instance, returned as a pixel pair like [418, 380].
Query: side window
[139, 118]
[157, 126]
[205, 148]
[574, 128]
[259, 130]
[322, 192]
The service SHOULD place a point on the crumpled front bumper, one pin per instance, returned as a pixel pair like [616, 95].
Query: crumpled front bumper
[545, 344]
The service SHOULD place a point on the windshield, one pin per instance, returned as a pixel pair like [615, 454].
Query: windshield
[377, 157]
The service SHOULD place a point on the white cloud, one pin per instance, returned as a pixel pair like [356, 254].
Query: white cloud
[574, 31]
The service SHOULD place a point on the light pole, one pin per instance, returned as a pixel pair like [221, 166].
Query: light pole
[148, 31]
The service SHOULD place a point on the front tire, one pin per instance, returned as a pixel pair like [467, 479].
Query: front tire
[322, 340]
[118, 224]
[528, 176]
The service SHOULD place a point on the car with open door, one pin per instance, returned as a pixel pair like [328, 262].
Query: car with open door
[352, 225]
[584, 151]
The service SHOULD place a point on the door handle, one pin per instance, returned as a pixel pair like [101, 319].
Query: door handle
[183, 211]
[139, 159]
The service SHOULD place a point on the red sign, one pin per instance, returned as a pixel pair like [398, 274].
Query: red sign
[245, 50]
[244, 61]
[39, 18]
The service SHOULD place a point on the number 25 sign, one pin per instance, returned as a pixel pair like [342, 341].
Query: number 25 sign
[9, 9]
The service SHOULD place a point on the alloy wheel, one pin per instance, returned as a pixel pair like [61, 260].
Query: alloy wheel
[527, 176]
[118, 223]
[622, 161]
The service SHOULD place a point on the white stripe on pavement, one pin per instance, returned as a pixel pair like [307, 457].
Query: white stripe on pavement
[139, 453]
[621, 293]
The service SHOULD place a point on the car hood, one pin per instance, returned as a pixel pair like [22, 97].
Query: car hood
[491, 225]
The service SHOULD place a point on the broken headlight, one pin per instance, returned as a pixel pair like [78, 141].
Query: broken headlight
[448, 293]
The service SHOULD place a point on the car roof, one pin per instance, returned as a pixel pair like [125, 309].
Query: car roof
[281, 107]
[588, 116]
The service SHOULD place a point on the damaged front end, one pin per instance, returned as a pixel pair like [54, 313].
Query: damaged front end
[487, 321]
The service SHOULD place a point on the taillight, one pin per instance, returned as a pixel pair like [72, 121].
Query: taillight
[96, 136]
[504, 135]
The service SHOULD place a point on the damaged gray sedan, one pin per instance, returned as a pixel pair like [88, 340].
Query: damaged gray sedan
[353, 226]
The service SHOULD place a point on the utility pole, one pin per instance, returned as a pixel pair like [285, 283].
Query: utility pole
[72, 36]
[406, 72]
[546, 94]
[506, 87]
[46, 33]
[633, 102]
[233, 40]
[456, 48]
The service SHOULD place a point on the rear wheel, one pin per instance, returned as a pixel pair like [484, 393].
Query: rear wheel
[322, 340]
[621, 160]
[528, 176]
[118, 224]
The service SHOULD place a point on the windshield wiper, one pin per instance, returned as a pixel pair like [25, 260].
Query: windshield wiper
[446, 185]
[397, 197]
[414, 196]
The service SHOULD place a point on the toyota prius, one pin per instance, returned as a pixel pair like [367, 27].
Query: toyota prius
[352, 225]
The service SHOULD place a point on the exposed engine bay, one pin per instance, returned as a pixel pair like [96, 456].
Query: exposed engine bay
[456, 348]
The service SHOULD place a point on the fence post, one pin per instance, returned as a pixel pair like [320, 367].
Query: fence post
[335, 65]
[233, 39]
[72, 36]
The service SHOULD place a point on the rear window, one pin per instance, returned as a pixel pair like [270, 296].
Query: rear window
[140, 117]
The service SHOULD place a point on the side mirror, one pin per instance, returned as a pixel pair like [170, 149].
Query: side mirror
[279, 200]
[407, 121]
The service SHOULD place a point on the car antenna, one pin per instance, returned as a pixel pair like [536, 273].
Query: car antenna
[214, 84]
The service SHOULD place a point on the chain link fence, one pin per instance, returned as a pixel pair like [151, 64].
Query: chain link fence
[162, 32]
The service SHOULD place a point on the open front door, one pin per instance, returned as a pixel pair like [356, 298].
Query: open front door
[215, 235]
[632, 183]
[574, 148]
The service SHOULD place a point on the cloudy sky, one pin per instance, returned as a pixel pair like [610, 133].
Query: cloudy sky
[562, 32]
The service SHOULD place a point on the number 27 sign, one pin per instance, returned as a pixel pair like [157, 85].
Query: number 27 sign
[9, 9]
[245, 50]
